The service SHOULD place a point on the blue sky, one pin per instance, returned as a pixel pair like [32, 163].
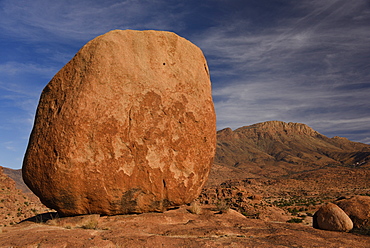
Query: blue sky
[302, 61]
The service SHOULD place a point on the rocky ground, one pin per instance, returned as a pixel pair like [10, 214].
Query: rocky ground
[269, 203]
[249, 212]
[293, 198]
[208, 227]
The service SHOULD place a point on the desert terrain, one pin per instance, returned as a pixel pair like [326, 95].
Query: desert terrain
[266, 183]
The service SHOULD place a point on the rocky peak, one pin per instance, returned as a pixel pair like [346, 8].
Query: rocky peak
[283, 127]
[282, 144]
[226, 133]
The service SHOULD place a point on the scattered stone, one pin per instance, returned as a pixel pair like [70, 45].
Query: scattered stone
[127, 126]
[358, 209]
[333, 218]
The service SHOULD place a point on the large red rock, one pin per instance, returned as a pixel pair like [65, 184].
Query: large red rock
[333, 218]
[358, 209]
[127, 126]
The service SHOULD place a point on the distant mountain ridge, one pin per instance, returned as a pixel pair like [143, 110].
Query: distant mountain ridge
[281, 147]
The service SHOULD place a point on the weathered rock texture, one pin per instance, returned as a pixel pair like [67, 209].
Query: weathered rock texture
[333, 218]
[128, 125]
[358, 209]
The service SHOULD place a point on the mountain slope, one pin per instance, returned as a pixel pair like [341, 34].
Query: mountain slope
[15, 205]
[276, 148]
[16, 175]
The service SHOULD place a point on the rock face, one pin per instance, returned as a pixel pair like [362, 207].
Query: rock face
[127, 126]
[333, 218]
[358, 209]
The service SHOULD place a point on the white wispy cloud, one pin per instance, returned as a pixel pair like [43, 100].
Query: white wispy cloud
[310, 67]
[42, 20]
[13, 67]
[9, 146]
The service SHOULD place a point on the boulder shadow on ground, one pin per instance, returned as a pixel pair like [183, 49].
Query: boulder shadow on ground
[42, 218]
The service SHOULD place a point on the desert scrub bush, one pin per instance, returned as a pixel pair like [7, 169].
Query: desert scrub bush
[362, 231]
[195, 208]
[293, 211]
[251, 215]
[295, 220]
[297, 201]
[222, 206]
[46, 217]
[364, 194]
[91, 224]
[283, 203]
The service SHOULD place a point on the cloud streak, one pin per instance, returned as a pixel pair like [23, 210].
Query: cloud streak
[12, 68]
[310, 67]
[42, 20]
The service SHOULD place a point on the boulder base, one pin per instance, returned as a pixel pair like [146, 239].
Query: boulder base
[127, 126]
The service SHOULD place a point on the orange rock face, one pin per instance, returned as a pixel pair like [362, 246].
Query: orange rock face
[127, 126]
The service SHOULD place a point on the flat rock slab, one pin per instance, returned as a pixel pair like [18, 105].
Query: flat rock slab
[127, 126]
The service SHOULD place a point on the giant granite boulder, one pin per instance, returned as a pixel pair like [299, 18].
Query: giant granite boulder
[127, 126]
